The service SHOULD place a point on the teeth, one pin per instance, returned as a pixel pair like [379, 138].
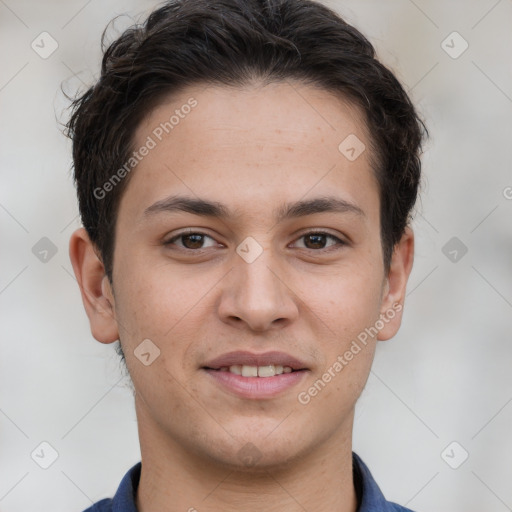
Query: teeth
[266, 371]
[249, 371]
[236, 368]
[257, 371]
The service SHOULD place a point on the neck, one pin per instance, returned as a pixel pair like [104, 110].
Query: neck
[175, 480]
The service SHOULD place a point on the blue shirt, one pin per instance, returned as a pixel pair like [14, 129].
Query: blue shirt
[369, 496]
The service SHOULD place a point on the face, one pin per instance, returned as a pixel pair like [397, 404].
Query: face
[248, 241]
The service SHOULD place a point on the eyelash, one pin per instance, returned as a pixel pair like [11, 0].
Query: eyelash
[340, 242]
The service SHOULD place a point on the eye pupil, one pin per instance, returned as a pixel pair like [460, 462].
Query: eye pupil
[318, 241]
[196, 241]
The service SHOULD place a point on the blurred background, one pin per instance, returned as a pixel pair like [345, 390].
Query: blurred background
[434, 423]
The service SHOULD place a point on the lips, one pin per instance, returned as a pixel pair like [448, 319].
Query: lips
[250, 359]
[256, 376]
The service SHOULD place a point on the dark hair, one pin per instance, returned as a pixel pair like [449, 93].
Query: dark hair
[235, 42]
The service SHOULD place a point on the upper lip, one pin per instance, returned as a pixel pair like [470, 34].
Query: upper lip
[252, 359]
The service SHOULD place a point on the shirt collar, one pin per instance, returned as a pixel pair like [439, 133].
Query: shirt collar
[370, 498]
[124, 499]
[369, 495]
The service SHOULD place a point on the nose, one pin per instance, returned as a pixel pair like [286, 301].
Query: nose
[256, 295]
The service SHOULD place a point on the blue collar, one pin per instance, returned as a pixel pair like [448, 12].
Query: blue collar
[369, 496]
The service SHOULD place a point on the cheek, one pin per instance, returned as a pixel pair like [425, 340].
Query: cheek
[346, 300]
[167, 307]
[347, 308]
[153, 300]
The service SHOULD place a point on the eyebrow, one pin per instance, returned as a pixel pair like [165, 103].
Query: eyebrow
[205, 208]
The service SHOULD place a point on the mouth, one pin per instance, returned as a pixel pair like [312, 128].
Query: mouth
[256, 376]
[245, 370]
[250, 364]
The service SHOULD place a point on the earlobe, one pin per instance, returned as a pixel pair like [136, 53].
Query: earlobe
[395, 285]
[96, 291]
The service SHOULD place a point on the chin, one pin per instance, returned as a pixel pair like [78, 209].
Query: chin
[260, 451]
[250, 458]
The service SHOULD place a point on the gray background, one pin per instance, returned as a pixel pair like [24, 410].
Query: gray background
[446, 377]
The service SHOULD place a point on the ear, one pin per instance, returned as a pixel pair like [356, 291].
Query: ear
[97, 294]
[394, 285]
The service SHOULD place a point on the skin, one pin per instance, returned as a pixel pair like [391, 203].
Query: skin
[251, 149]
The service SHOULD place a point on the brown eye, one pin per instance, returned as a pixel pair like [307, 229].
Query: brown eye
[194, 241]
[319, 240]
[315, 241]
[191, 241]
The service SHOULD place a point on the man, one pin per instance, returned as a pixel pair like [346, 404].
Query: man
[245, 171]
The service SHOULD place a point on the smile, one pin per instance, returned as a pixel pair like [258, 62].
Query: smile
[254, 376]
[269, 370]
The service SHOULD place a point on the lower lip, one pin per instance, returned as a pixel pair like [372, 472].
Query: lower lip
[256, 387]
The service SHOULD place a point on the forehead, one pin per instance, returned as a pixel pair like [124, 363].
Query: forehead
[291, 109]
[251, 145]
